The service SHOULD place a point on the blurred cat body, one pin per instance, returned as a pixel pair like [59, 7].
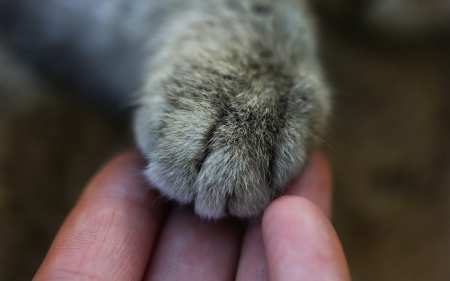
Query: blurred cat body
[229, 95]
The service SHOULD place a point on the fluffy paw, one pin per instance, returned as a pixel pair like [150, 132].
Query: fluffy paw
[226, 141]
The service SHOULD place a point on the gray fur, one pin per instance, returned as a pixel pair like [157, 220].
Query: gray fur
[230, 94]
[388, 137]
[231, 105]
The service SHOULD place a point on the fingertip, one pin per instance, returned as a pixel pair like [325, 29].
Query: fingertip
[123, 168]
[110, 232]
[190, 248]
[288, 207]
[301, 242]
[314, 183]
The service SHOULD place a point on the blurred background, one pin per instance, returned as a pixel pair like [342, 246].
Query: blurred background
[388, 63]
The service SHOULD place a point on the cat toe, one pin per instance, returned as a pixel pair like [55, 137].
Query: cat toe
[223, 164]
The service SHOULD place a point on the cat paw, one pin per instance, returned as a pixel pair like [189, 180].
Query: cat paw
[224, 142]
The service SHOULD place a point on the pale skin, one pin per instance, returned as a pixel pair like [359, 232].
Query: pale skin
[122, 230]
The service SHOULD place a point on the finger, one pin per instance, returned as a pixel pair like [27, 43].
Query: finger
[252, 263]
[314, 183]
[192, 249]
[110, 232]
[301, 243]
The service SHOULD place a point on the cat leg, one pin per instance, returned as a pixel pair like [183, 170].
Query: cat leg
[231, 107]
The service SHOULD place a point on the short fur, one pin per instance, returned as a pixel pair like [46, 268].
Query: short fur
[388, 139]
[231, 105]
[230, 94]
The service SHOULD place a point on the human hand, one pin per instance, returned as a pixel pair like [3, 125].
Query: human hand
[121, 230]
